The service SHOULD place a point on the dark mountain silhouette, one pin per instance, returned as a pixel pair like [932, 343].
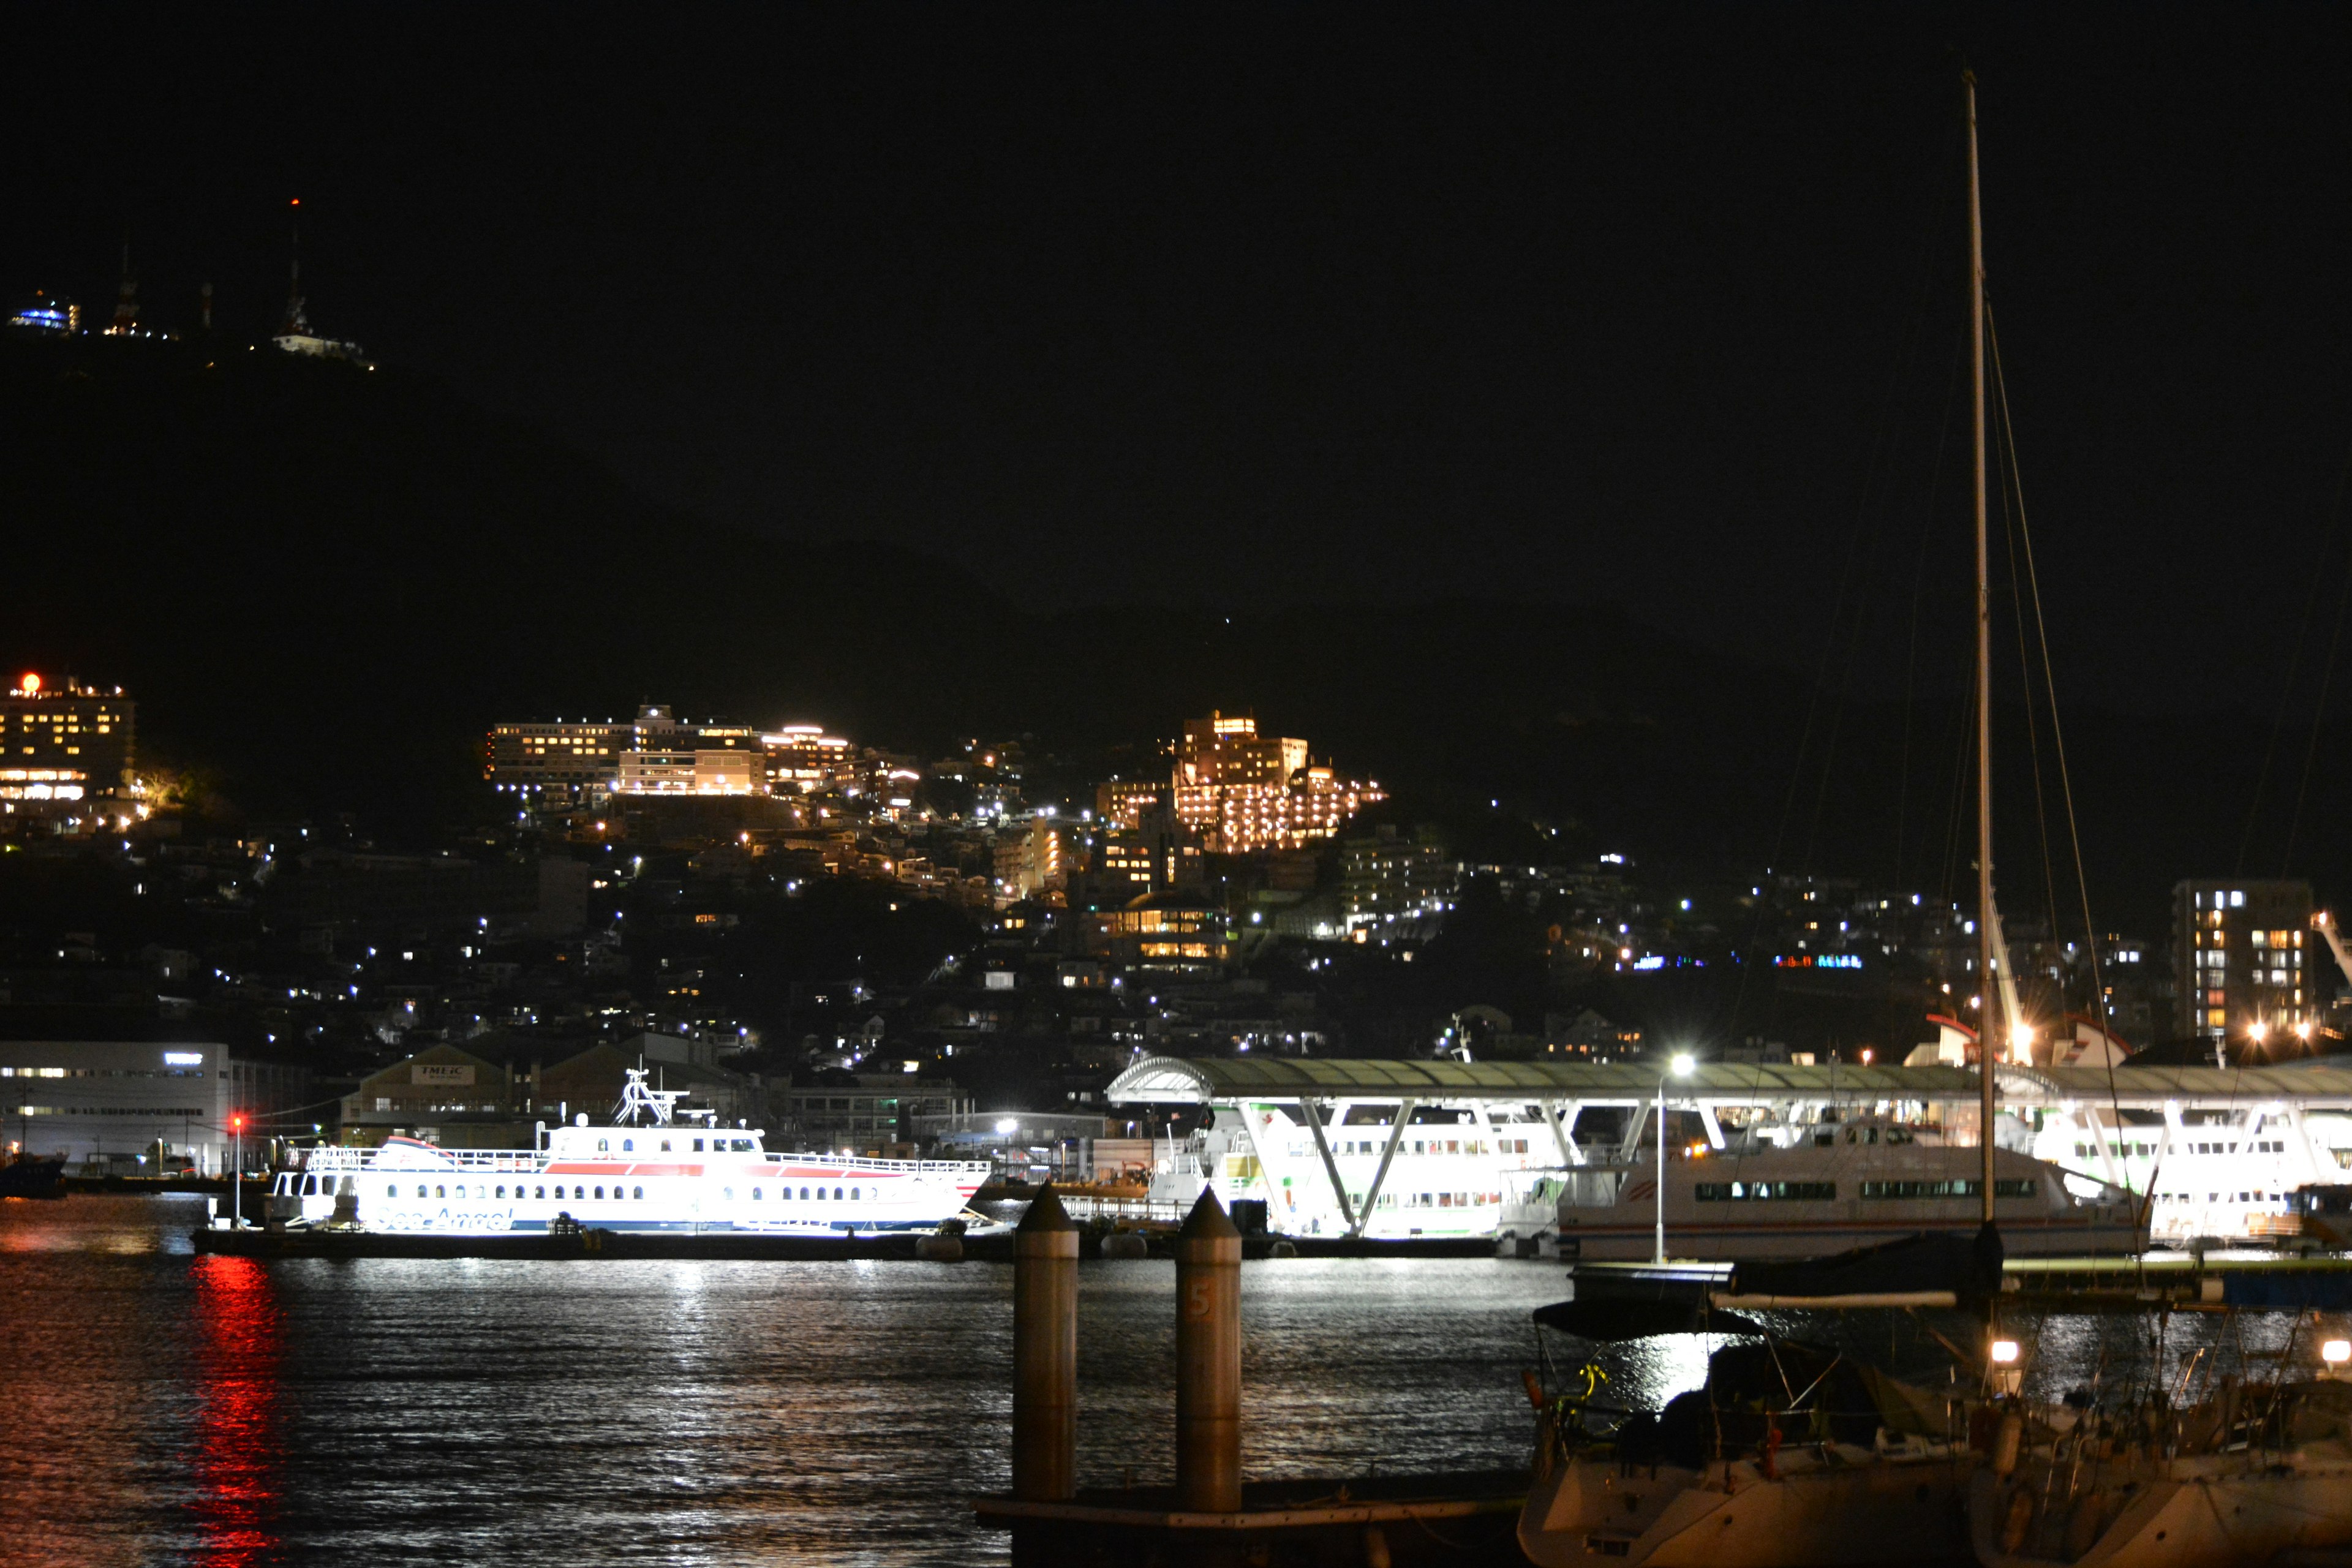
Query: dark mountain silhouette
[325, 582]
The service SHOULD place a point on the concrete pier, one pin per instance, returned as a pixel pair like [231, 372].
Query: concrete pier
[1209, 1361]
[1045, 1353]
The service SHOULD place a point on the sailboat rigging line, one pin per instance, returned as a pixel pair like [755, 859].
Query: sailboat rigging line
[2326, 680]
[2012, 518]
[2065, 783]
[1986, 1031]
[2294, 667]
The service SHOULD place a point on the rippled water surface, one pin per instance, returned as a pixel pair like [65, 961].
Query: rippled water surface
[165, 1408]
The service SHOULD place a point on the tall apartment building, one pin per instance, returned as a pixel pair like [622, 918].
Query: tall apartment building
[2243, 958]
[1385, 875]
[1154, 853]
[1242, 791]
[61, 746]
[1121, 803]
[1032, 857]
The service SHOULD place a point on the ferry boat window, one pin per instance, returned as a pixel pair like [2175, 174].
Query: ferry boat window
[628, 1145]
[603, 1145]
[852, 1194]
[726, 1193]
[600, 1192]
[420, 1189]
[637, 1192]
[698, 1145]
[502, 1189]
[837, 1195]
[755, 1195]
[391, 1189]
[461, 1190]
[1798, 1192]
[537, 1192]
[665, 1148]
[803, 1195]
[579, 1193]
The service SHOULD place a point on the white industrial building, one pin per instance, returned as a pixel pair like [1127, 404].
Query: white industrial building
[110, 1100]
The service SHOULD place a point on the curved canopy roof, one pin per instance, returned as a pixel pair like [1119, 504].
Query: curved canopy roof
[1209, 1080]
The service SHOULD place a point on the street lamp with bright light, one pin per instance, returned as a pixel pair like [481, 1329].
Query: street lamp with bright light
[1679, 1065]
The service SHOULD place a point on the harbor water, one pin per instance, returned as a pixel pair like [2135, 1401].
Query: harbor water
[163, 1408]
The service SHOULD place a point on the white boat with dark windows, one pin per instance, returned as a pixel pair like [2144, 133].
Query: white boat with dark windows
[1834, 1188]
[653, 1169]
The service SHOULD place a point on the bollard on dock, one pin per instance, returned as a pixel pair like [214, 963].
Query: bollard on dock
[1045, 1351]
[1209, 1361]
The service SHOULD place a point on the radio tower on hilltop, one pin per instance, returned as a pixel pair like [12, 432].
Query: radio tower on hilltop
[295, 335]
[297, 324]
[126, 299]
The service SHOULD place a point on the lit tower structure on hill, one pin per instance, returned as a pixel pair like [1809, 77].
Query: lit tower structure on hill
[126, 299]
[297, 324]
[294, 333]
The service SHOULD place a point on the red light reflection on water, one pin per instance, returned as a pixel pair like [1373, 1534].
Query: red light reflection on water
[239, 1457]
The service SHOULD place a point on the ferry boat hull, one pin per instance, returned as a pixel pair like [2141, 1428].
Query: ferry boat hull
[644, 1172]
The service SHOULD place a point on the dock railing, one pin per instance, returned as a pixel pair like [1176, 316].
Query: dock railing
[1084, 1207]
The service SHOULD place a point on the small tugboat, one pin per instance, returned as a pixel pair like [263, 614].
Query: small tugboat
[28, 1177]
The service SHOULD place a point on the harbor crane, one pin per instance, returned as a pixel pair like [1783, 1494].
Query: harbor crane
[2325, 926]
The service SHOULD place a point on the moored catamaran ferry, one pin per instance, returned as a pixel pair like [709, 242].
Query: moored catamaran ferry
[653, 1169]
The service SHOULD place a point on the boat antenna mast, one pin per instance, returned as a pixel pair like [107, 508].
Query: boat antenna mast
[1987, 1030]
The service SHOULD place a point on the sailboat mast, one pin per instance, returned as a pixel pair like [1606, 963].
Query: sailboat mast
[1988, 1029]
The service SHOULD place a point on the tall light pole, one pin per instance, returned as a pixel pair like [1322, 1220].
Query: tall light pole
[237, 1171]
[1677, 1065]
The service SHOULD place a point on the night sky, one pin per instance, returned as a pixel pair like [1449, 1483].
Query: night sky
[1247, 307]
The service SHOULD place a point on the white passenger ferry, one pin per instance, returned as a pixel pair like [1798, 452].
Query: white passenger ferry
[2224, 1175]
[651, 1170]
[1773, 1189]
[1834, 1188]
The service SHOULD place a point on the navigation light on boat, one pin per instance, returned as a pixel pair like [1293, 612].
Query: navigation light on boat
[2004, 1353]
[2337, 1352]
